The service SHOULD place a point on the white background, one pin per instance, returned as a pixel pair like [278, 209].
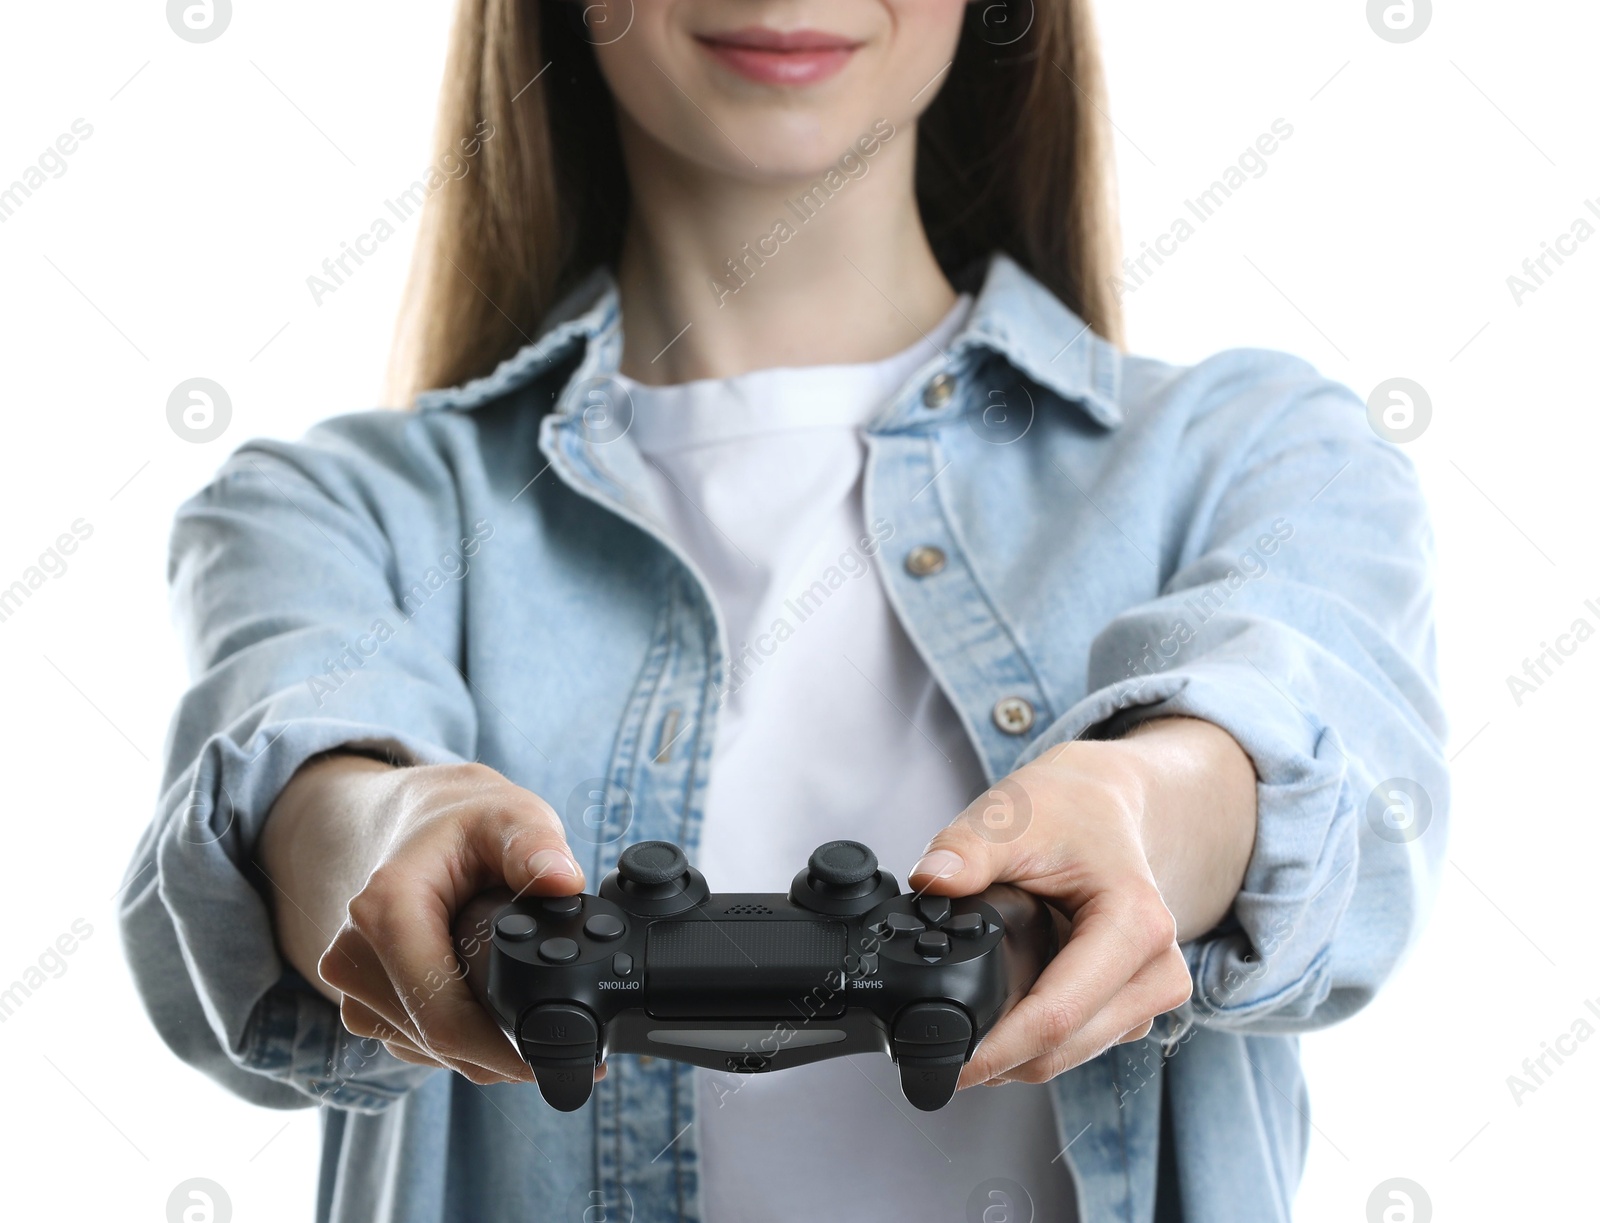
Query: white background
[1378, 244]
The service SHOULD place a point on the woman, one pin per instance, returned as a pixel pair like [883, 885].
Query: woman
[862, 526]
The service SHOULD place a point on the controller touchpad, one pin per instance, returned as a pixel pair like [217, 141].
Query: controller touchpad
[778, 969]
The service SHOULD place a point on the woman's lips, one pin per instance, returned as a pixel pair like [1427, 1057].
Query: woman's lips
[774, 57]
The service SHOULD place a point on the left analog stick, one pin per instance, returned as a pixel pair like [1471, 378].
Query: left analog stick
[650, 864]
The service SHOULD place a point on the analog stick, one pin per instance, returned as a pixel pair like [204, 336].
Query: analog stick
[842, 864]
[842, 878]
[652, 864]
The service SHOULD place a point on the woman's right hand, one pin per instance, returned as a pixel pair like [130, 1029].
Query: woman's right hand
[387, 857]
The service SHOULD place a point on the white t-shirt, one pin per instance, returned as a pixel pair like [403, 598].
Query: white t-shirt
[833, 727]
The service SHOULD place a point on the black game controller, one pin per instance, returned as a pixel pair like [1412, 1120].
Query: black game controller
[843, 964]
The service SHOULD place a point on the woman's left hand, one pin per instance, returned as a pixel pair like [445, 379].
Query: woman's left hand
[1140, 841]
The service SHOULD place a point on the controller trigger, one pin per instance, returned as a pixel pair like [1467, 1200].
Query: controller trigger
[931, 1041]
[565, 1083]
[561, 1044]
[929, 1083]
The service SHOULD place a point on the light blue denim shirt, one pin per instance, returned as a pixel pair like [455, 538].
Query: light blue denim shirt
[486, 578]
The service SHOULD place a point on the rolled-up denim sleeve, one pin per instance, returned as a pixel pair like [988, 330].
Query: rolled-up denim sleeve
[281, 588]
[1299, 619]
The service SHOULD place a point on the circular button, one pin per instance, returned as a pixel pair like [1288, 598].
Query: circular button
[604, 926]
[558, 950]
[1013, 715]
[938, 392]
[516, 927]
[843, 863]
[652, 863]
[563, 906]
[924, 561]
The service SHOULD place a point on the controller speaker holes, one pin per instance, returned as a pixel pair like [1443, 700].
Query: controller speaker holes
[742, 910]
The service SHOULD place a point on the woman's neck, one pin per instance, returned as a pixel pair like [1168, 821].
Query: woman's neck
[721, 275]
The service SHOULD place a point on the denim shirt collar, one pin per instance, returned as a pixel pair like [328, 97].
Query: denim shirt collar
[1013, 316]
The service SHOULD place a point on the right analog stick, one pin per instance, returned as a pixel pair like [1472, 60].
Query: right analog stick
[842, 878]
[842, 865]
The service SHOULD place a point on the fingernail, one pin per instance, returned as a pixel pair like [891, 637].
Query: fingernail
[551, 863]
[941, 864]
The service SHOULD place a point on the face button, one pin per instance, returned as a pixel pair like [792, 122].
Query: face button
[935, 910]
[604, 927]
[558, 951]
[516, 927]
[964, 925]
[933, 943]
[925, 561]
[622, 963]
[903, 924]
[1013, 715]
[563, 906]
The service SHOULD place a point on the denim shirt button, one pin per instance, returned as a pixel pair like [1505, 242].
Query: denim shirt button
[1013, 715]
[937, 393]
[924, 561]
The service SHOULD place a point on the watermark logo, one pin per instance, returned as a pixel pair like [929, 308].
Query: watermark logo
[50, 964]
[199, 1200]
[1399, 1200]
[199, 410]
[854, 163]
[602, 22]
[1399, 410]
[1542, 1066]
[1553, 255]
[199, 20]
[1252, 163]
[1399, 810]
[597, 1206]
[1000, 1201]
[1001, 813]
[804, 603]
[1005, 22]
[50, 164]
[452, 165]
[205, 820]
[597, 813]
[1399, 20]
[52, 563]
[604, 410]
[1002, 418]
[1550, 658]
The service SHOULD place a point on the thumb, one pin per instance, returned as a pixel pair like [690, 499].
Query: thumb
[977, 847]
[534, 856]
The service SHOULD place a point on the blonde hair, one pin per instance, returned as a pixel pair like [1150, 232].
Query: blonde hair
[1012, 155]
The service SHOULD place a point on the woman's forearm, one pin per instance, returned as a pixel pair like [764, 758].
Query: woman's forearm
[1199, 815]
[317, 849]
